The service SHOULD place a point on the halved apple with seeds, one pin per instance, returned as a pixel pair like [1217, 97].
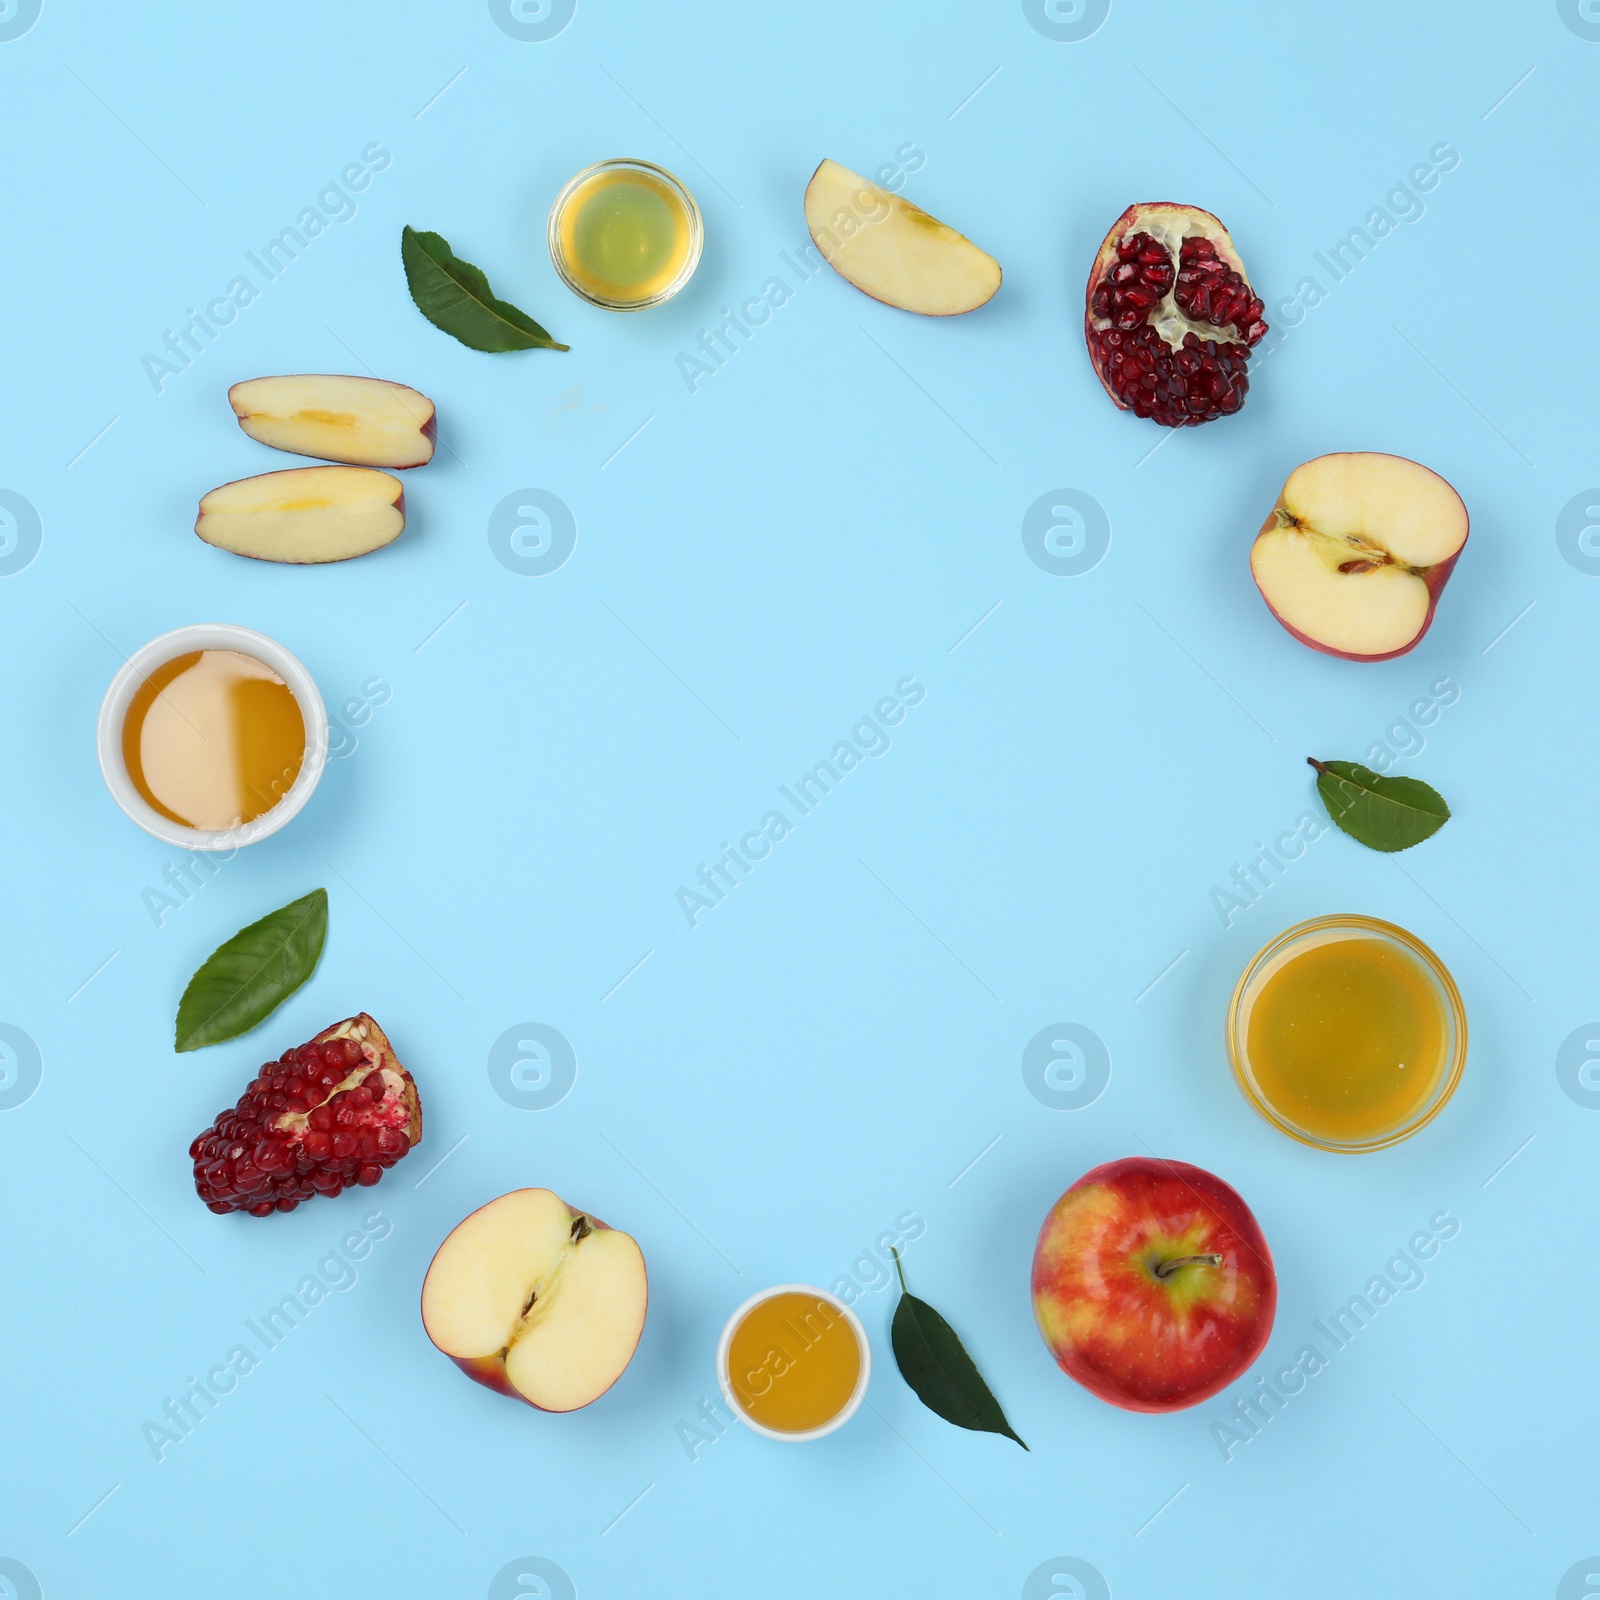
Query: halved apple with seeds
[305, 515]
[366, 422]
[893, 250]
[1353, 557]
[537, 1301]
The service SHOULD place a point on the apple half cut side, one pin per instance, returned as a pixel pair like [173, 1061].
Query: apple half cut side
[364, 422]
[537, 1301]
[305, 515]
[1353, 557]
[893, 250]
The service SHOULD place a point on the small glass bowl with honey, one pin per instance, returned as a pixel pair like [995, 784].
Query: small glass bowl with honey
[625, 235]
[1347, 1033]
[212, 736]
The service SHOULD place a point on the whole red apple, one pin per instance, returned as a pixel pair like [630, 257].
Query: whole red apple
[1152, 1284]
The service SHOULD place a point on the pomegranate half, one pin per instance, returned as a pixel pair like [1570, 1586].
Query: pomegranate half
[1170, 317]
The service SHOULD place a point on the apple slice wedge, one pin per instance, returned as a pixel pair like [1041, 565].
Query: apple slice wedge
[893, 250]
[1353, 557]
[365, 422]
[537, 1301]
[305, 515]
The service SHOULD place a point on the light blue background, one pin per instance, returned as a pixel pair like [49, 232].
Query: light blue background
[835, 1044]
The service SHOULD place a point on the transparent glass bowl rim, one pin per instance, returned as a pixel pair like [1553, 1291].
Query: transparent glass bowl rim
[1444, 985]
[626, 164]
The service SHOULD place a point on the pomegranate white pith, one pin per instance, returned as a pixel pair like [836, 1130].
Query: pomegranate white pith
[1353, 557]
[1170, 317]
[537, 1301]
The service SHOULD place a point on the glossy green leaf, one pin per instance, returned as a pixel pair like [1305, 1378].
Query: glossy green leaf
[245, 980]
[455, 296]
[1382, 813]
[941, 1374]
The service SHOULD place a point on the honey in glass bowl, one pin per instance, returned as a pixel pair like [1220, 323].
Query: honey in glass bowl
[1347, 1033]
[625, 235]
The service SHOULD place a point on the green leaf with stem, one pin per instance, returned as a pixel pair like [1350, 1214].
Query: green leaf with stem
[456, 298]
[941, 1374]
[1382, 813]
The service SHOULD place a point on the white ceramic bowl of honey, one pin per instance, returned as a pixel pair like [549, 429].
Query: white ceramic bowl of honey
[793, 1363]
[212, 736]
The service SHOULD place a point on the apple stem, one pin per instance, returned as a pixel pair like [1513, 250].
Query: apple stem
[1165, 1269]
[899, 1269]
[581, 1229]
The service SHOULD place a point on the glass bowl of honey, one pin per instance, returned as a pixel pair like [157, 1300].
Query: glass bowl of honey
[1347, 1033]
[212, 737]
[625, 234]
[793, 1363]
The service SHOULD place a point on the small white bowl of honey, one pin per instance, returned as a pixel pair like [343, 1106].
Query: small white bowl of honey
[793, 1363]
[212, 736]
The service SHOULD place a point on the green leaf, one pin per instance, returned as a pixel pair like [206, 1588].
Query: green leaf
[245, 980]
[455, 296]
[1382, 813]
[940, 1372]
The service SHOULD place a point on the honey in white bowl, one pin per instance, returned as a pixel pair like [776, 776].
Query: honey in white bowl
[793, 1362]
[213, 739]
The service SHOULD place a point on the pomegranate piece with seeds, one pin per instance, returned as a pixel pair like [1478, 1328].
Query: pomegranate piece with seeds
[1170, 316]
[337, 1111]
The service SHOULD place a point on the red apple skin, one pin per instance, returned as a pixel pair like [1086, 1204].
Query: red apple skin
[1128, 1336]
[1436, 577]
[490, 1371]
